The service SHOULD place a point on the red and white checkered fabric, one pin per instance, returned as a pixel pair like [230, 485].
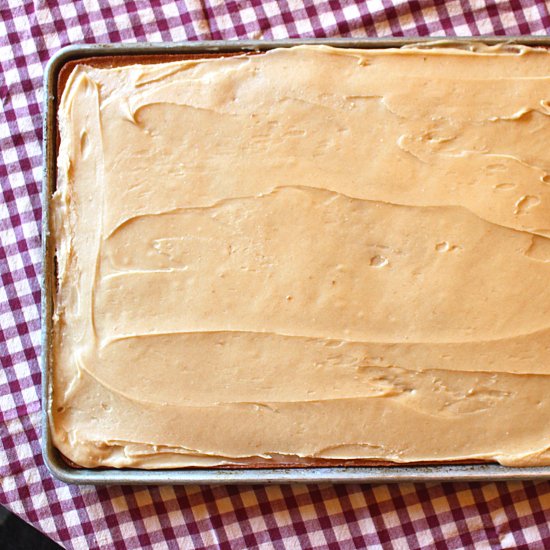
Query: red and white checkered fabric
[513, 515]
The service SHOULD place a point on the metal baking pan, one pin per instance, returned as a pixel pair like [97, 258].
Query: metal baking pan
[374, 474]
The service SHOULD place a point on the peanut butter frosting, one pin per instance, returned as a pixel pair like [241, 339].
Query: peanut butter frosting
[312, 253]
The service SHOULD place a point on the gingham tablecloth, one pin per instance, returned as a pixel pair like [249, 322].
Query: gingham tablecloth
[446, 515]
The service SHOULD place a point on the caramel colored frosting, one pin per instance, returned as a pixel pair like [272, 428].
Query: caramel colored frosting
[306, 254]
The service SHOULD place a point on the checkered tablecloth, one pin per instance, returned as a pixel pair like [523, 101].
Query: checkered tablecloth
[406, 516]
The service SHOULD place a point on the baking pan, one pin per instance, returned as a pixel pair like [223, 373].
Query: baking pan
[373, 474]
